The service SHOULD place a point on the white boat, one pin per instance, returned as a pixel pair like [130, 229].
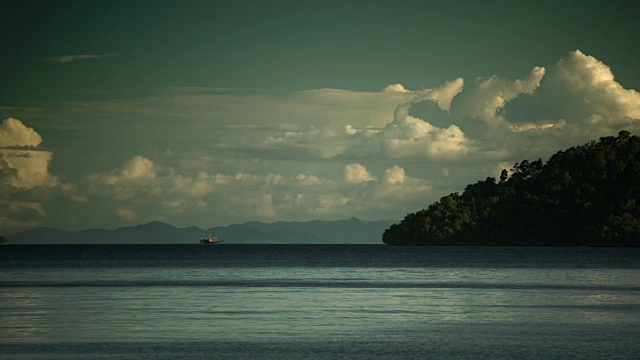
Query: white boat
[210, 240]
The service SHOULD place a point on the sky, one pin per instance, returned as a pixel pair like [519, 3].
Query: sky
[210, 113]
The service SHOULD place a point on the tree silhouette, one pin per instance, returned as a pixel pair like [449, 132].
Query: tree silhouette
[585, 195]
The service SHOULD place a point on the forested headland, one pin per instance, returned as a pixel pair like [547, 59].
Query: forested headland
[584, 196]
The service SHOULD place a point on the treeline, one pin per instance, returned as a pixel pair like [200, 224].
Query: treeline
[585, 195]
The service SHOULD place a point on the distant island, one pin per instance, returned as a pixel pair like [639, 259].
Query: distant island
[348, 231]
[584, 196]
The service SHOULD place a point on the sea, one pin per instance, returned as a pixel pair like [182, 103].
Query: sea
[231, 301]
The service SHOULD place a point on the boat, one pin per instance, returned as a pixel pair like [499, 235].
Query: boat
[210, 240]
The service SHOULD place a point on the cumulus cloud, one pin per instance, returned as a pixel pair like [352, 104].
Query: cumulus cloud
[357, 173]
[442, 95]
[138, 167]
[202, 197]
[333, 108]
[400, 136]
[14, 133]
[532, 126]
[577, 100]
[394, 175]
[31, 168]
[23, 169]
[312, 142]
[395, 88]
[486, 98]
[574, 101]
[397, 187]
[154, 192]
[407, 136]
[315, 154]
[580, 88]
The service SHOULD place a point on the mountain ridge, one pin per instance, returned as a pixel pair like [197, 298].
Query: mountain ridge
[348, 231]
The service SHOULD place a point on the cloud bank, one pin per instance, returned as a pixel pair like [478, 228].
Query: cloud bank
[192, 158]
[144, 190]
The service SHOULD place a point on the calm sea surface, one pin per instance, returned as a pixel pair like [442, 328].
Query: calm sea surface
[318, 302]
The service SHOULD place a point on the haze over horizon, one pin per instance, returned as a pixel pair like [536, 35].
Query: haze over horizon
[116, 113]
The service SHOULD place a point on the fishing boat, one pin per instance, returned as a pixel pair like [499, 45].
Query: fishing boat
[210, 240]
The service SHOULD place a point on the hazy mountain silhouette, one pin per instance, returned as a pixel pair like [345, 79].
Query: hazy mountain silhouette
[351, 231]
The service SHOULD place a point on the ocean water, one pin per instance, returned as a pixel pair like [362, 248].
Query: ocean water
[318, 302]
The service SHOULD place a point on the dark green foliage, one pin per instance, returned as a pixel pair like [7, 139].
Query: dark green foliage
[586, 195]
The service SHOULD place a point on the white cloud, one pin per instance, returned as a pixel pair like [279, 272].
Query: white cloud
[23, 169]
[138, 167]
[316, 154]
[395, 88]
[394, 175]
[582, 88]
[402, 137]
[357, 173]
[156, 192]
[412, 137]
[442, 95]
[320, 143]
[487, 97]
[200, 198]
[14, 133]
[332, 108]
[31, 168]
[397, 187]
[24, 173]
[577, 100]
[544, 126]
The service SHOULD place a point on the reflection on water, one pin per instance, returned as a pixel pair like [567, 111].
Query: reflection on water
[151, 310]
[352, 311]
[23, 315]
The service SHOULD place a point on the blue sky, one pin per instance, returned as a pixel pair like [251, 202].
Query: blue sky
[115, 113]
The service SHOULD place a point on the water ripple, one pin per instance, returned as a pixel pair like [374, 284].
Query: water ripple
[309, 284]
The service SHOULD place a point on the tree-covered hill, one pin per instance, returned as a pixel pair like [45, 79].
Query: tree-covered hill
[585, 195]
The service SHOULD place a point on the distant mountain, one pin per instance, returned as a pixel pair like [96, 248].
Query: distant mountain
[351, 231]
[151, 233]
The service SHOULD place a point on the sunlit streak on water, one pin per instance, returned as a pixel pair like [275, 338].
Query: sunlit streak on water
[257, 310]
